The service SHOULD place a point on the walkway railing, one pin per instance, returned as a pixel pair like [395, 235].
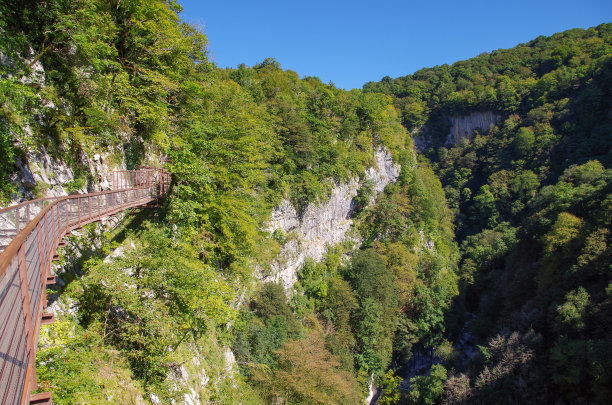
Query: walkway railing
[32, 232]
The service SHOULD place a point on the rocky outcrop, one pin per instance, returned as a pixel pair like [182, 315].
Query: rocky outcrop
[41, 175]
[49, 174]
[35, 74]
[464, 126]
[44, 174]
[206, 367]
[459, 127]
[322, 225]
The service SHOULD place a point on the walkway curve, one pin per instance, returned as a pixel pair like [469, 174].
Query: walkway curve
[35, 230]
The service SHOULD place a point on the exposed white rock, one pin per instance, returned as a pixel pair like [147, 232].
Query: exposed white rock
[5, 60]
[205, 378]
[119, 252]
[68, 307]
[425, 243]
[230, 361]
[194, 377]
[464, 126]
[385, 172]
[101, 170]
[322, 225]
[37, 71]
[40, 168]
[154, 399]
[48, 170]
[193, 398]
[36, 74]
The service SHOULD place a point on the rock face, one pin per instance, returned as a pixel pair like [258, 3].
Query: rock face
[46, 176]
[322, 225]
[461, 126]
[464, 126]
[42, 168]
[41, 174]
[385, 172]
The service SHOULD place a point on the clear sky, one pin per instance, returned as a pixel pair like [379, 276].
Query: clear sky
[353, 42]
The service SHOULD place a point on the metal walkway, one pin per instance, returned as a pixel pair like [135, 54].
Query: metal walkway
[29, 236]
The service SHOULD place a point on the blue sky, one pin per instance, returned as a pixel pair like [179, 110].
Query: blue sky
[353, 42]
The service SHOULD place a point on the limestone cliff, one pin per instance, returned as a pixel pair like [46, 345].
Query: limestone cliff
[49, 171]
[464, 126]
[459, 127]
[322, 225]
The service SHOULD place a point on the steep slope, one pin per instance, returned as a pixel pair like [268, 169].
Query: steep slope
[531, 196]
[170, 306]
[323, 225]
[148, 311]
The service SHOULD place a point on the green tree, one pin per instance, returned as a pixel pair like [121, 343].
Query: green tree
[485, 207]
[427, 389]
[572, 312]
[308, 373]
[391, 393]
[523, 143]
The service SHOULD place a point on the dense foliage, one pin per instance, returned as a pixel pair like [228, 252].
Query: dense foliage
[387, 299]
[531, 197]
[562, 74]
[129, 79]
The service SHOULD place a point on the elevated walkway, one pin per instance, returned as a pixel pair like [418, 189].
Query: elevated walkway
[29, 236]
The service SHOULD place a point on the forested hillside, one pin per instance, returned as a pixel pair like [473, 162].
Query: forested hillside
[531, 197]
[502, 237]
[157, 309]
